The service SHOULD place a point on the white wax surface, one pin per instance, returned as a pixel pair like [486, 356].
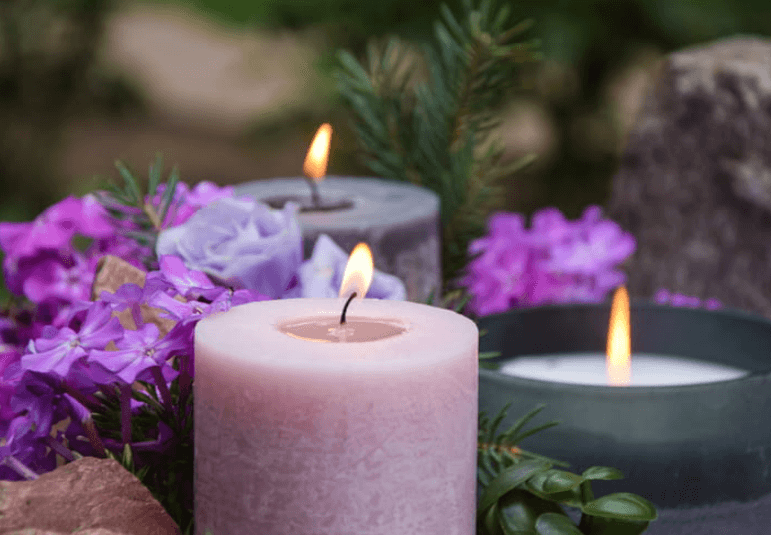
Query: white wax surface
[336, 438]
[647, 370]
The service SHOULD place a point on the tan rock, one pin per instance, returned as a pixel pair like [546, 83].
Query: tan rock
[90, 495]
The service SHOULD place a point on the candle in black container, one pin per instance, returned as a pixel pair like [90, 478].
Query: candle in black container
[688, 445]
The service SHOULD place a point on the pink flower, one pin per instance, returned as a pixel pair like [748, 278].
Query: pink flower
[555, 261]
[67, 278]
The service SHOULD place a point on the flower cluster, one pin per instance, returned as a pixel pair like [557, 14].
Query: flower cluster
[61, 353]
[555, 261]
[65, 366]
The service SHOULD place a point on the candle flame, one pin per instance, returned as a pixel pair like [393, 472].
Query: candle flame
[358, 272]
[619, 360]
[315, 165]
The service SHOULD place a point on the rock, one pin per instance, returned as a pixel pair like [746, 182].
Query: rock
[694, 185]
[97, 531]
[93, 496]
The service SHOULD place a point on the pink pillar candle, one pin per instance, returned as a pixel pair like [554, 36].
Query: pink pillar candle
[307, 427]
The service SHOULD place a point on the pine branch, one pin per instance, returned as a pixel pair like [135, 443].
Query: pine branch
[431, 132]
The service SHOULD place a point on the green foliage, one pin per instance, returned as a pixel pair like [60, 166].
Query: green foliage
[435, 133]
[168, 474]
[128, 202]
[523, 494]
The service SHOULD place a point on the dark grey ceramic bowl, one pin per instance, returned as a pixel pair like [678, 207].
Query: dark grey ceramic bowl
[677, 445]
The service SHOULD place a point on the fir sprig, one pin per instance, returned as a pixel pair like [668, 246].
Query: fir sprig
[131, 204]
[436, 133]
[523, 494]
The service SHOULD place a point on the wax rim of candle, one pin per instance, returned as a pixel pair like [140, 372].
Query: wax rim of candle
[416, 202]
[236, 332]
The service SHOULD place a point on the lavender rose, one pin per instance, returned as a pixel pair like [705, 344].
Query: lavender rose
[241, 243]
[322, 274]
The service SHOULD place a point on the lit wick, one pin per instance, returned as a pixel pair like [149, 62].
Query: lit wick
[345, 308]
[315, 166]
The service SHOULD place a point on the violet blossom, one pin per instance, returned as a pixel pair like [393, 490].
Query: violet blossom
[239, 243]
[322, 275]
[555, 261]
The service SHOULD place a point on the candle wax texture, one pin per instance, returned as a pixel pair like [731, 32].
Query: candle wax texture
[647, 370]
[326, 437]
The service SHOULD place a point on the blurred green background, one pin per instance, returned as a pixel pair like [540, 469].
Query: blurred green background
[234, 91]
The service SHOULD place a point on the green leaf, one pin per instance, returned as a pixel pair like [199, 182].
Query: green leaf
[602, 472]
[168, 194]
[519, 424]
[553, 481]
[520, 437]
[490, 521]
[154, 176]
[556, 524]
[522, 509]
[508, 480]
[621, 506]
[132, 188]
[128, 458]
[489, 355]
[496, 422]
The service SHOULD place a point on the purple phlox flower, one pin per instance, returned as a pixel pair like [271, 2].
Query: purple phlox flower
[549, 227]
[602, 245]
[188, 282]
[207, 192]
[52, 229]
[230, 298]
[20, 441]
[123, 247]
[74, 311]
[322, 275]
[68, 278]
[591, 216]
[36, 397]
[56, 354]
[9, 360]
[188, 202]
[498, 276]
[180, 311]
[94, 221]
[138, 351]
[713, 304]
[125, 296]
[178, 212]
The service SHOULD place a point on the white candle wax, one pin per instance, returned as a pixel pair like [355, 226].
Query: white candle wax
[647, 370]
[307, 428]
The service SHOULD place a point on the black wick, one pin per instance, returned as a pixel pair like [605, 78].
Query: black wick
[315, 200]
[345, 308]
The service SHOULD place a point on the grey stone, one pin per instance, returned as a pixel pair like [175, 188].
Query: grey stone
[694, 185]
[89, 496]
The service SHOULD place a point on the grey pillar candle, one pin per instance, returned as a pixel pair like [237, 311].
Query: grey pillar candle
[398, 221]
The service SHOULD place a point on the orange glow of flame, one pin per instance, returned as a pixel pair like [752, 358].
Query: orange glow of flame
[315, 165]
[619, 360]
[358, 272]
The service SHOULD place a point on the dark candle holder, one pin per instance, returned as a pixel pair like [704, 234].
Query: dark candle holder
[677, 446]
